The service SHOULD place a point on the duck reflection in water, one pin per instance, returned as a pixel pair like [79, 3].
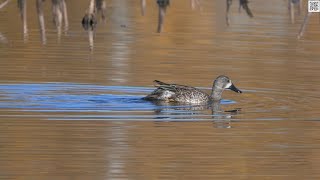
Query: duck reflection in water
[221, 118]
[191, 98]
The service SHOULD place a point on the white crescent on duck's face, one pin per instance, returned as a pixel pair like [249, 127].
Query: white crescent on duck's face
[229, 84]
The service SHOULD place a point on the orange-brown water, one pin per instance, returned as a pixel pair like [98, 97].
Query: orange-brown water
[71, 112]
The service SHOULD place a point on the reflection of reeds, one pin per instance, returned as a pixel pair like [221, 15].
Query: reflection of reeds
[89, 20]
[23, 14]
[143, 7]
[59, 13]
[304, 25]
[65, 14]
[195, 3]
[90, 34]
[245, 6]
[229, 2]
[162, 4]
[242, 4]
[101, 8]
[3, 39]
[4, 4]
[305, 19]
[291, 6]
[39, 5]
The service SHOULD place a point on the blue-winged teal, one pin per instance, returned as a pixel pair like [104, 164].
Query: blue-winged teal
[186, 94]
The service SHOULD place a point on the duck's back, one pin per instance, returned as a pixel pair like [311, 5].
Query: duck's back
[178, 93]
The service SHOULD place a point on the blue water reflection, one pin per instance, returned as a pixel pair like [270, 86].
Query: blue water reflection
[62, 96]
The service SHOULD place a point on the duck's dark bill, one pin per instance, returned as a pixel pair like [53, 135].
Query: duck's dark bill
[235, 89]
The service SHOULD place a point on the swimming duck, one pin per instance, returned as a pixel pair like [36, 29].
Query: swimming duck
[190, 95]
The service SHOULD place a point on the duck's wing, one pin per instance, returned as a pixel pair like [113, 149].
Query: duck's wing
[168, 92]
[180, 93]
[177, 93]
[174, 87]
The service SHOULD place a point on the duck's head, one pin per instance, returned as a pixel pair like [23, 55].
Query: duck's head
[223, 82]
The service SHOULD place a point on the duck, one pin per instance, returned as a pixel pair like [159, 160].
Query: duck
[191, 95]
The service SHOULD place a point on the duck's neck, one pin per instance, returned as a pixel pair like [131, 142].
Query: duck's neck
[216, 93]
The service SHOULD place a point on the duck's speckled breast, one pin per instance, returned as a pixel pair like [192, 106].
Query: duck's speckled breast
[192, 97]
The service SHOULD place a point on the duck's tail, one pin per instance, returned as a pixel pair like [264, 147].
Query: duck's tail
[160, 82]
[163, 92]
